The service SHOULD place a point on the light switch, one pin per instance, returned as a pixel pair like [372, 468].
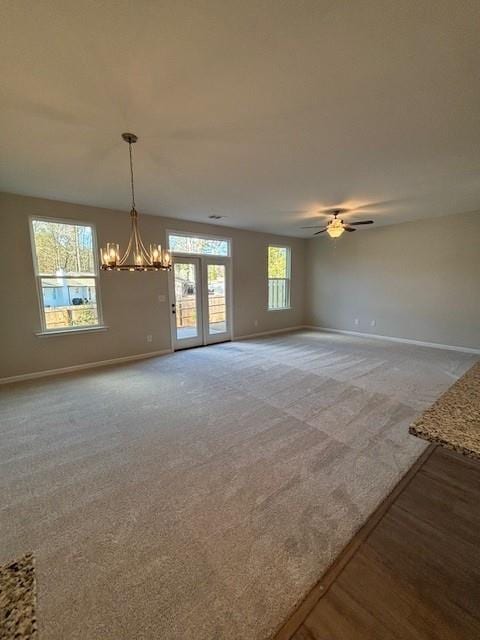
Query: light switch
[162, 298]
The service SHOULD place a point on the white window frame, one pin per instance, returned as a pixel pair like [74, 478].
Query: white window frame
[202, 236]
[94, 276]
[288, 279]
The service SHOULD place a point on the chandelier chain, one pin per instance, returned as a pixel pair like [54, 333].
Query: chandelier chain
[131, 175]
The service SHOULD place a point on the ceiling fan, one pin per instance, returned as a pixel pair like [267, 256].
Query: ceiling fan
[336, 226]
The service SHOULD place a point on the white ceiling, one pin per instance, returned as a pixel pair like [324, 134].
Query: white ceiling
[262, 111]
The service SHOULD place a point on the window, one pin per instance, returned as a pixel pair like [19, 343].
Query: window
[64, 256]
[200, 245]
[278, 278]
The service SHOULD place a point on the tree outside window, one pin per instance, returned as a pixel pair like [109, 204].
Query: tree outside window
[278, 277]
[67, 274]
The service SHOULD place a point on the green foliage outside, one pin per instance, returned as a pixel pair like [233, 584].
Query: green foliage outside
[277, 262]
[216, 272]
[205, 246]
[186, 272]
[63, 247]
[86, 316]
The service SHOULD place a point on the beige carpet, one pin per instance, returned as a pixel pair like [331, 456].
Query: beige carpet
[18, 600]
[200, 495]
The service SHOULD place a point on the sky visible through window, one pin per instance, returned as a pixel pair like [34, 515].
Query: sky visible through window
[197, 245]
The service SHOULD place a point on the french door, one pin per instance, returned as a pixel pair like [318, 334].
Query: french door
[200, 301]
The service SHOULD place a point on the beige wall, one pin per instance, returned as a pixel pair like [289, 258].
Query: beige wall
[130, 300]
[418, 280]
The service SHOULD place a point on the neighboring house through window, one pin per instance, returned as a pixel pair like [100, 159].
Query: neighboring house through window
[278, 277]
[66, 269]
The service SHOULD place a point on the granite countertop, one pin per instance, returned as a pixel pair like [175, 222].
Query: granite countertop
[454, 419]
[18, 600]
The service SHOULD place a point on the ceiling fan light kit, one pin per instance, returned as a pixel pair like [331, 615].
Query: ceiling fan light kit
[336, 226]
[136, 256]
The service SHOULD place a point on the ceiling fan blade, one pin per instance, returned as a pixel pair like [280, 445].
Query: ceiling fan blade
[321, 231]
[315, 226]
[361, 222]
[348, 228]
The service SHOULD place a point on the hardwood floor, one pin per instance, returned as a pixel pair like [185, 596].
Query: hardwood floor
[415, 574]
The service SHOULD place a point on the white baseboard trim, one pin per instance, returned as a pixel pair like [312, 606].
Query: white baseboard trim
[153, 354]
[376, 336]
[86, 365]
[268, 333]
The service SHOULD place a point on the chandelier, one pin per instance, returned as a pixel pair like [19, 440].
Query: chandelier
[136, 256]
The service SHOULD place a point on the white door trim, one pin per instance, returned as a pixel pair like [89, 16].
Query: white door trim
[202, 300]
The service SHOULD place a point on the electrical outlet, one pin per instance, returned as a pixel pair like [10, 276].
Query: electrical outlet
[255, 323]
[356, 322]
[162, 298]
[149, 338]
[373, 323]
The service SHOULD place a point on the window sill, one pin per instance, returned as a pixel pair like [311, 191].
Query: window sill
[282, 309]
[61, 332]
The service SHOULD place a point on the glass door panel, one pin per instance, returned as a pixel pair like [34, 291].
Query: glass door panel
[217, 303]
[200, 300]
[217, 307]
[187, 306]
